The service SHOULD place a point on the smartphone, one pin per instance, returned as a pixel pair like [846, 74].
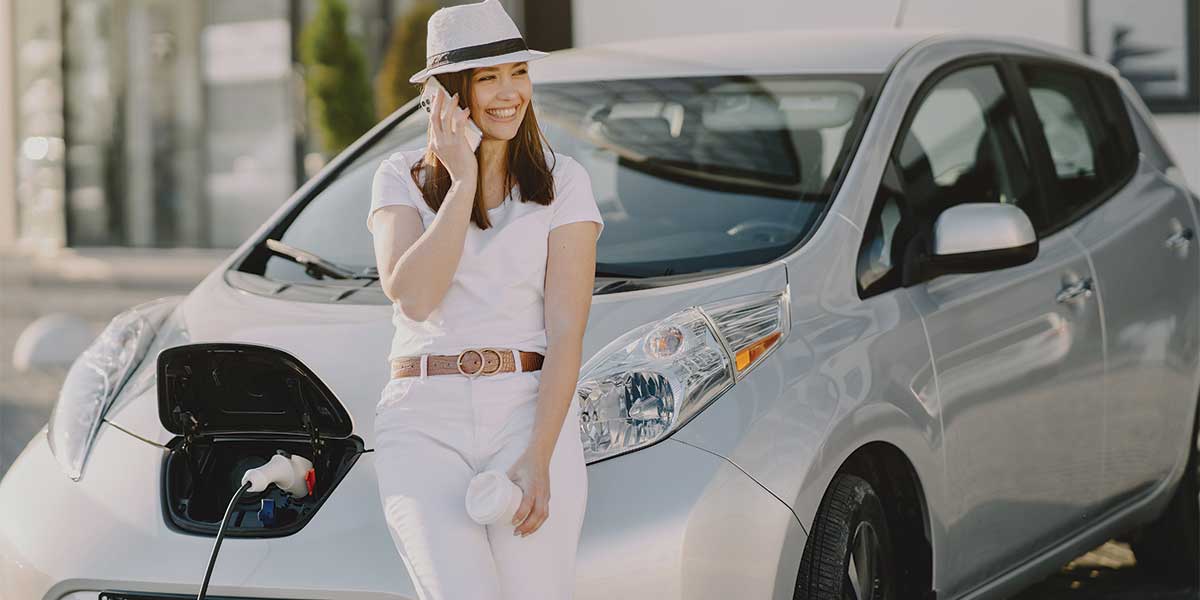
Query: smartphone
[474, 135]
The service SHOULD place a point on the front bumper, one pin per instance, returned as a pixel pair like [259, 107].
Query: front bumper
[667, 522]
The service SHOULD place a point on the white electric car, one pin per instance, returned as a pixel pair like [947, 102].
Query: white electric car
[930, 301]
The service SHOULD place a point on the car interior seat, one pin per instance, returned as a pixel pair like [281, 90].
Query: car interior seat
[919, 209]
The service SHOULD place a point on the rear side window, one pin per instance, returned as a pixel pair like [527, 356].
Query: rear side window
[1088, 135]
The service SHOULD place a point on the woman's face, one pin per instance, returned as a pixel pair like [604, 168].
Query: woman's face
[499, 99]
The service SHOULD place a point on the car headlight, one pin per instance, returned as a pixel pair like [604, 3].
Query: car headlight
[651, 381]
[95, 379]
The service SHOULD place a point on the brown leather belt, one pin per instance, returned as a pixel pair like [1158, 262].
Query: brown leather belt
[472, 362]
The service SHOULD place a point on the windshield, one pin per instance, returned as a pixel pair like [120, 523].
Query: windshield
[690, 174]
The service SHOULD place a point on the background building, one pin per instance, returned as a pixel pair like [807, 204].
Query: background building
[167, 123]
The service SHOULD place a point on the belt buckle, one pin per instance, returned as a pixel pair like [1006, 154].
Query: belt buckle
[499, 362]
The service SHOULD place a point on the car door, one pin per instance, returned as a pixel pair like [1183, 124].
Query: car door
[1017, 352]
[1138, 229]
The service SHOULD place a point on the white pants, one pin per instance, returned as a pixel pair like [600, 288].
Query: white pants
[432, 435]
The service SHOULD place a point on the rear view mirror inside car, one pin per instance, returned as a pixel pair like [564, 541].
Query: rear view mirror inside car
[764, 104]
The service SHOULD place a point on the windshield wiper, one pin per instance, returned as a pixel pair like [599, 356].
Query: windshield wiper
[317, 267]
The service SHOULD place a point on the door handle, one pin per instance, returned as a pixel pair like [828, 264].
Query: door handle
[1071, 291]
[1180, 240]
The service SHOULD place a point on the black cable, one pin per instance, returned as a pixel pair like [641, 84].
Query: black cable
[221, 534]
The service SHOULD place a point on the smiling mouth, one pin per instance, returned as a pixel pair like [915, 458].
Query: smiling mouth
[503, 114]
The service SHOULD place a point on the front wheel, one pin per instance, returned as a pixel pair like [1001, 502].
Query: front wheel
[849, 553]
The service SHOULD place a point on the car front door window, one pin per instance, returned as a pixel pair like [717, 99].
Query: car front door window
[961, 145]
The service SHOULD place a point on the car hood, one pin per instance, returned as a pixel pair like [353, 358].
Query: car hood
[347, 345]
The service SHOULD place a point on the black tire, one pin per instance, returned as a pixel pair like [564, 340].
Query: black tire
[1169, 547]
[850, 539]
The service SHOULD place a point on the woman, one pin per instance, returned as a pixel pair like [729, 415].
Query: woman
[488, 295]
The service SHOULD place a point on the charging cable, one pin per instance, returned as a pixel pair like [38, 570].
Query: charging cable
[293, 474]
[220, 534]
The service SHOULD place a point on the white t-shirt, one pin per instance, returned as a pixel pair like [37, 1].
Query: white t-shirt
[496, 295]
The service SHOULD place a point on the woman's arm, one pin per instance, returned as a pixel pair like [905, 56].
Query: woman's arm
[570, 275]
[404, 254]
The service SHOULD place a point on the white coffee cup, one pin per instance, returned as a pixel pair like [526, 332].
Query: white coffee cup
[493, 498]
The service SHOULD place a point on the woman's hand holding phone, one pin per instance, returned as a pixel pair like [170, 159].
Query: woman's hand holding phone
[448, 137]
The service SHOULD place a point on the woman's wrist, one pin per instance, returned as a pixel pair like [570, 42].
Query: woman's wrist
[468, 175]
[462, 187]
[539, 455]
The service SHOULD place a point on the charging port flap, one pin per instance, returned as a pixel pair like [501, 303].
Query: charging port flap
[206, 389]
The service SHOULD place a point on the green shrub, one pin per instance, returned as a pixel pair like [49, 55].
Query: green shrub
[336, 80]
[405, 56]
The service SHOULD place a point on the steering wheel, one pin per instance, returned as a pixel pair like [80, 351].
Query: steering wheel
[762, 230]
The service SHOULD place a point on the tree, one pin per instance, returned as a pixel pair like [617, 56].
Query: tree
[335, 73]
[405, 56]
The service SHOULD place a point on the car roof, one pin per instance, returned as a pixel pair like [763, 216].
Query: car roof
[859, 50]
[761, 52]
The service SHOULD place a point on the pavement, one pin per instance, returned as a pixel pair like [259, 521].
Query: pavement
[1107, 573]
[98, 283]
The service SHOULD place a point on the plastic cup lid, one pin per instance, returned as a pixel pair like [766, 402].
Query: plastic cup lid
[491, 497]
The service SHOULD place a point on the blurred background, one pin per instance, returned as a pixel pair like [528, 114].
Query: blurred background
[142, 140]
[185, 124]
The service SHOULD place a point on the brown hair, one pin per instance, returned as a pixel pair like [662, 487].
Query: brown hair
[525, 160]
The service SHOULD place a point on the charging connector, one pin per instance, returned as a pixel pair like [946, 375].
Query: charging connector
[288, 471]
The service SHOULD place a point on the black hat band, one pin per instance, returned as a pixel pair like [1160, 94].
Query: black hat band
[475, 52]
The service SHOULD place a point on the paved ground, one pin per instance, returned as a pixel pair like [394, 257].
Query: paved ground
[1106, 573]
[98, 284]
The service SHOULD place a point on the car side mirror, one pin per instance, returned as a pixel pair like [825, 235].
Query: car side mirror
[977, 237]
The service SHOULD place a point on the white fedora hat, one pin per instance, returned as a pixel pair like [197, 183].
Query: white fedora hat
[472, 35]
